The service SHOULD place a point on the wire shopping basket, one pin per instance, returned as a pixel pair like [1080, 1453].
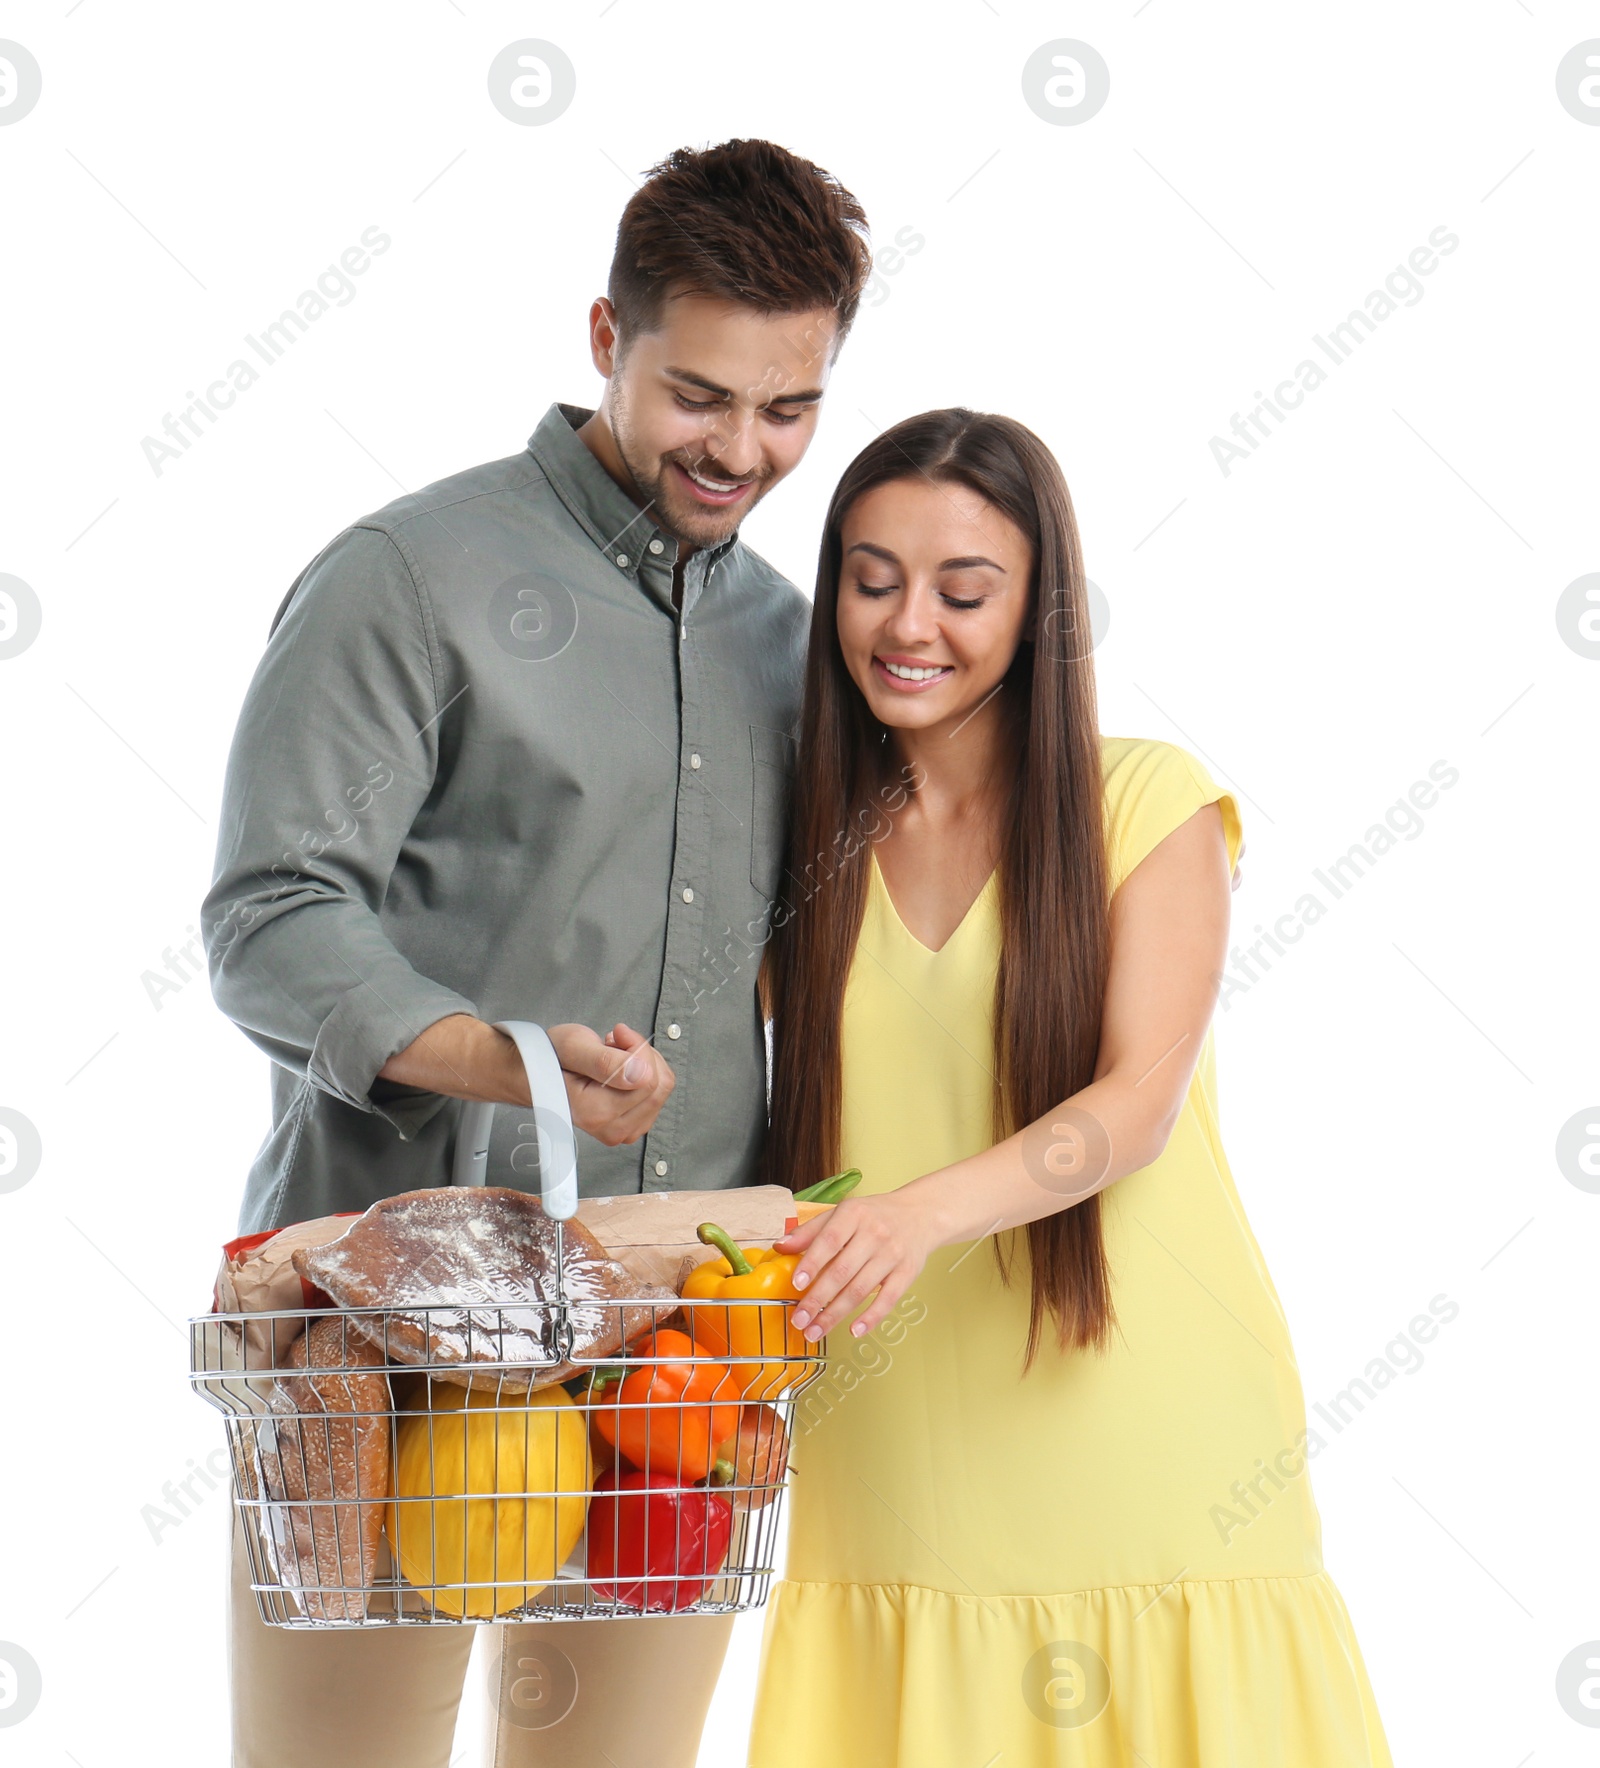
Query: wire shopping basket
[504, 1459]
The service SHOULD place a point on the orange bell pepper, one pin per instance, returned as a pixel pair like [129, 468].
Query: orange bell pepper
[670, 1416]
[747, 1285]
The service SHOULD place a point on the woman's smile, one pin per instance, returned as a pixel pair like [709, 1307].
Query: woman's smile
[910, 675]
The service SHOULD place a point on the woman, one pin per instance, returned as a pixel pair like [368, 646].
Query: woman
[1064, 1516]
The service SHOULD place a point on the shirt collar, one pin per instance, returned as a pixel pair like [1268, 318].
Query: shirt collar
[605, 512]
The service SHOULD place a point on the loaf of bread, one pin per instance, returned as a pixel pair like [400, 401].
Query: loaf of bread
[459, 1276]
[326, 1437]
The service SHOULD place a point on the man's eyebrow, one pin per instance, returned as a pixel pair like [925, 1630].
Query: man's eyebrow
[969, 563]
[809, 397]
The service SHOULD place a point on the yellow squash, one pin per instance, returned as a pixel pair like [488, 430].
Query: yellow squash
[509, 1484]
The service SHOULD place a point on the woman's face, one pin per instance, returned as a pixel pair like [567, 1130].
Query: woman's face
[933, 600]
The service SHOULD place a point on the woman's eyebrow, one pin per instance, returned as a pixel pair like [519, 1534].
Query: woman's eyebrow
[972, 562]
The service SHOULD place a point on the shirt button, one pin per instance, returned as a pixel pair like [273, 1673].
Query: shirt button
[688, 894]
[656, 546]
[674, 1031]
[622, 561]
[661, 1169]
[694, 761]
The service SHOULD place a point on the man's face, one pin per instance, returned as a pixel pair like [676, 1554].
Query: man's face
[713, 408]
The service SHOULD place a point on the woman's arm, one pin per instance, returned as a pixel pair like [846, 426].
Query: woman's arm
[1169, 936]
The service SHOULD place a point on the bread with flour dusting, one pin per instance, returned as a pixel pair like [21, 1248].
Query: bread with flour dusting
[466, 1275]
[326, 1436]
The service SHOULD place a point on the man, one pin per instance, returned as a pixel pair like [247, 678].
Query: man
[518, 748]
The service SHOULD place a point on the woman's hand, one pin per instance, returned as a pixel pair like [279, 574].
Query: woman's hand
[862, 1244]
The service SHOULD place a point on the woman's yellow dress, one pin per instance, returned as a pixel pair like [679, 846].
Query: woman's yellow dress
[1115, 1560]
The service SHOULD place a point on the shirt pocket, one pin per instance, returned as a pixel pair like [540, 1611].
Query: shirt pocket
[772, 759]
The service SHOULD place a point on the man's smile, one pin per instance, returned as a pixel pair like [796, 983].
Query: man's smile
[711, 488]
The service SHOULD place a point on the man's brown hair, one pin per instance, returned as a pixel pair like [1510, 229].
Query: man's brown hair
[743, 221]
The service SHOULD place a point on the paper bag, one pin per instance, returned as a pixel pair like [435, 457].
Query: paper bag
[257, 1277]
[653, 1233]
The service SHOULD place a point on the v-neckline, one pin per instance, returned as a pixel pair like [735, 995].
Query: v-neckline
[955, 933]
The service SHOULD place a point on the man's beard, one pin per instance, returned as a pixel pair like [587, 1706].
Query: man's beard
[669, 506]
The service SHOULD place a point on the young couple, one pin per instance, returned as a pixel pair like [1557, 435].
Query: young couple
[522, 746]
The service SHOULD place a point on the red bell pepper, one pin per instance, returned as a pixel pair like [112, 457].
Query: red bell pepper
[645, 1524]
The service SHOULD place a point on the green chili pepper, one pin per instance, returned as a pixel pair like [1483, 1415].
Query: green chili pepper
[833, 1190]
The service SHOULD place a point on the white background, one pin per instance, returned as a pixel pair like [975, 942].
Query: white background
[1373, 590]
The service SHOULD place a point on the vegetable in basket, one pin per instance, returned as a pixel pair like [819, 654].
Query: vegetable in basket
[509, 1485]
[667, 1415]
[833, 1190]
[750, 1466]
[645, 1526]
[590, 1393]
[736, 1328]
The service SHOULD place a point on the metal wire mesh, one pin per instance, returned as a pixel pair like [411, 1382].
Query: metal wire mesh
[379, 1488]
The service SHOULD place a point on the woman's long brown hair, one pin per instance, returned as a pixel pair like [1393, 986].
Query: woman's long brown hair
[1053, 887]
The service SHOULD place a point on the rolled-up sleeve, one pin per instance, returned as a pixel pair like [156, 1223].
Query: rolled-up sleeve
[335, 755]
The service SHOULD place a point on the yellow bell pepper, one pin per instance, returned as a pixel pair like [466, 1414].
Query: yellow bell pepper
[747, 1285]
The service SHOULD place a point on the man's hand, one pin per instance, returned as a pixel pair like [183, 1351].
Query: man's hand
[616, 1085]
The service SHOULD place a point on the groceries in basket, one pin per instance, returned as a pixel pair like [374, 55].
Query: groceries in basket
[453, 1271]
[257, 1277]
[454, 1536]
[432, 1411]
[652, 1544]
[326, 1436]
[654, 1541]
[745, 1274]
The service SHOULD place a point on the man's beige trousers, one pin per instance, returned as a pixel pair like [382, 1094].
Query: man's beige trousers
[578, 1694]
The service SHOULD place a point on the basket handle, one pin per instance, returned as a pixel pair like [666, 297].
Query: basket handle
[558, 1148]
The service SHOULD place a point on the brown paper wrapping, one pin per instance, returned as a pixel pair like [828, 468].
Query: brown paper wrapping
[264, 1281]
[653, 1233]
